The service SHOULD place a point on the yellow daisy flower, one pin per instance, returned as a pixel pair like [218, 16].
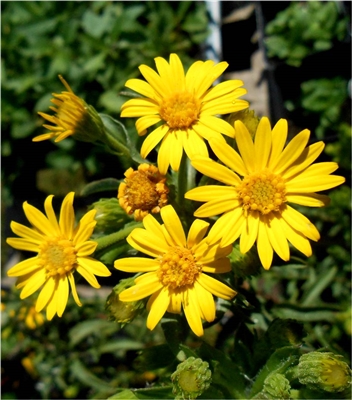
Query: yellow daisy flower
[143, 191]
[62, 249]
[255, 207]
[185, 105]
[176, 275]
[73, 117]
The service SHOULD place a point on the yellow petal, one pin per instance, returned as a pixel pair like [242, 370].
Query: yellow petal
[84, 228]
[173, 225]
[26, 233]
[45, 294]
[164, 154]
[205, 301]
[278, 239]
[234, 230]
[142, 87]
[22, 244]
[24, 267]
[86, 248]
[177, 72]
[175, 143]
[67, 216]
[279, 137]
[196, 232]
[51, 214]
[147, 243]
[152, 140]
[93, 266]
[216, 171]
[308, 156]
[245, 145]
[145, 122]
[141, 290]
[88, 276]
[62, 295]
[35, 281]
[299, 241]
[217, 125]
[300, 223]
[211, 192]
[265, 250]
[51, 308]
[194, 144]
[152, 225]
[211, 252]
[219, 266]
[249, 232]
[192, 311]
[216, 207]
[228, 225]
[155, 81]
[309, 199]
[73, 288]
[228, 156]
[226, 105]
[292, 151]
[222, 89]
[38, 219]
[158, 304]
[139, 107]
[175, 301]
[137, 264]
[262, 144]
[309, 185]
[216, 287]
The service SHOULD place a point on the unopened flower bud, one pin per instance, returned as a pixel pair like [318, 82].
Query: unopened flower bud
[325, 371]
[74, 117]
[191, 378]
[110, 216]
[248, 117]
[244, 265]
[276, 386]
[123, 311]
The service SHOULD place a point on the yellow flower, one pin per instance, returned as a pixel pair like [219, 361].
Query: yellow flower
[73, 117]
[62, 249]
[176, 275]
[255, 207]
[31, 317]
[185, 105]
[143, 191]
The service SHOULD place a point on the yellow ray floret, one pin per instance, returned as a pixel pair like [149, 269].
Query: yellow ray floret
[175, 277]
[62, 248]
[186, 106]
[259, 182]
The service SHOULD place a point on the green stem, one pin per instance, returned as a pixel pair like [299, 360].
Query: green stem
[108, 240]
[116, 145]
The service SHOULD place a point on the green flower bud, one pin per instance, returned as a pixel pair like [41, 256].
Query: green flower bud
[248, 117]
[110, 216]
[191, 378]
[276, 386]
[123, 311]
[244, 265]
[325, 371]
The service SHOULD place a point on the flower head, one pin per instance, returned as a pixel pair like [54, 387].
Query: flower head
[61, 250]
[259, 184]
[143, 191]
[176, 273]
[185, 105]
[73, 117]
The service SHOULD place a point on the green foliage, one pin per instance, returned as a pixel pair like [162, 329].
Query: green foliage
[304, 28]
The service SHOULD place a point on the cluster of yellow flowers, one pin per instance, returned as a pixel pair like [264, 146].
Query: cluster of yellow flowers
[257, 179]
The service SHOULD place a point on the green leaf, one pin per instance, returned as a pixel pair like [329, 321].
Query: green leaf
[121, 344]
[124, 394]
[103, 185]
[164, 392]
[94, 326]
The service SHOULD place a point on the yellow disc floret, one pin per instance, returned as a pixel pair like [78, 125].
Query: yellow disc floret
[143, 191]
[178, 267]
[58, 256]
[180, 110]
[262, 191]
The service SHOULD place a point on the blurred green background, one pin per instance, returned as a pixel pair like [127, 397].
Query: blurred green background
[97, 46]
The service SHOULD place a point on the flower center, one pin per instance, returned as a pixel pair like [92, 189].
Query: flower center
[58, 256]
[178, 267]
[143, 191]
[262, 191]
[180, 110]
